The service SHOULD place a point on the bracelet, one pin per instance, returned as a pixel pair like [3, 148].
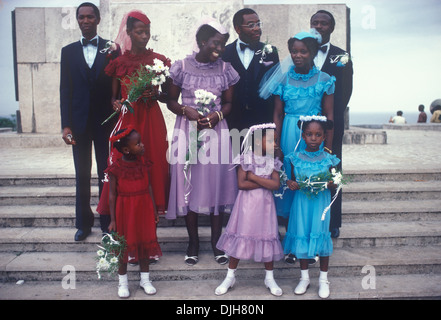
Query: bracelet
[327, 149]
[183, 110]
[222, 115]
[219, 115]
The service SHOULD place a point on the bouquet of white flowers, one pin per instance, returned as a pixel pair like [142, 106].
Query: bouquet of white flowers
[143, 78]
[205, 100]
[111, 250]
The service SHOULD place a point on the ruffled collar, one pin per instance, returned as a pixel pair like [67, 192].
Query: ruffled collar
[313, 154]
[202, 65]
[136, 57]
[304, 77]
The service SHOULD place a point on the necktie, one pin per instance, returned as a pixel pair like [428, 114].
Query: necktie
[85, 42]
[323, 49]
[252, 46]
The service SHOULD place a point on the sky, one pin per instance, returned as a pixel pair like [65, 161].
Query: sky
[396, 51]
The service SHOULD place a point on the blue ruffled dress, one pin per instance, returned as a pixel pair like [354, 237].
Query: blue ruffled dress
[307, 235]
[302, 94]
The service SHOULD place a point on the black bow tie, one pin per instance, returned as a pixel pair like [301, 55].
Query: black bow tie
[323, 49]
[252, 46]
[93, 42]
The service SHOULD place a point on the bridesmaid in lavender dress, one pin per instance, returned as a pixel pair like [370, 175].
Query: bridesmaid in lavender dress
[203, 180]
[252, 230]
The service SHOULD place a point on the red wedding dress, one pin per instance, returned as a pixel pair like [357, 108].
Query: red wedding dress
[148, 120]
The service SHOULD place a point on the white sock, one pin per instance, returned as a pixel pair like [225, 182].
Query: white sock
[269, 274]
[123, 280]
[304, 274]
[323, 276]
[145, 276]
[231, 273]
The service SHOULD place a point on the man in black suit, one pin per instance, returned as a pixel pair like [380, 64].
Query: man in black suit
[85, 93]
[251, 60]
[334, 61]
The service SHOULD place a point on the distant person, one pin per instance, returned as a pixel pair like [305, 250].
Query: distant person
[422, 117]
[398, 119]
[335, 62]
[85, 93]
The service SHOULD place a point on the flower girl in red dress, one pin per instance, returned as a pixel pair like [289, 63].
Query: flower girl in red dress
[133, 212]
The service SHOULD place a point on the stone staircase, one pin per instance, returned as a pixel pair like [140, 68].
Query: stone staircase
[389, 247]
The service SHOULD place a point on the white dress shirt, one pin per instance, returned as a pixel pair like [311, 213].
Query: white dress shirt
[320, 58]
[90, 51]
[245, 56]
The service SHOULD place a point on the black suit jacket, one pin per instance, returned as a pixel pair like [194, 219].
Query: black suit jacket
[248, 108]
[343, 86]
[85, 92]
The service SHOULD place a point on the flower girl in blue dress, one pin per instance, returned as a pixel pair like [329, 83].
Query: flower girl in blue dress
[308, 230]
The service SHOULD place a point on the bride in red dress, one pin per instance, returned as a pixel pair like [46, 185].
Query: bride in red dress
[147, 118]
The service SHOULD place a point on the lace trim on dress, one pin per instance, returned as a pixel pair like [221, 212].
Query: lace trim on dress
[300, 76]
[312, 160]
[196, 75]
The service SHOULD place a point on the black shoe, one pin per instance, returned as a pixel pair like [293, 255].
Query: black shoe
[335, 232]
[80, 235]
[290, 258]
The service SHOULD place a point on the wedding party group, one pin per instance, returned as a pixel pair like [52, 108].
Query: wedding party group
[284, 170]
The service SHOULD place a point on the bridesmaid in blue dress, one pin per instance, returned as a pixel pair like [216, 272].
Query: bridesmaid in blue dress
[308, 232]
[299, 89]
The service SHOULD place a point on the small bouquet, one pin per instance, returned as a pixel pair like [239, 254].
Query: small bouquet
[312, 186]
[205, 100]
[140, 80]
[111, 250]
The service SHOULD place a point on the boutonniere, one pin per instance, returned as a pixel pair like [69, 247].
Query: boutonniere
[109, 48]
[267, 49]
[340, 59]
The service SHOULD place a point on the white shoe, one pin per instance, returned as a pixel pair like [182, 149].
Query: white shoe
[323, 289]
[273, 287]
[123, 287]
[148, 287]
[302, 286]
[225, 285]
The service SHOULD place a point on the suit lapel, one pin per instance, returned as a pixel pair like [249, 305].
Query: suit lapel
[80, 60]
[235, 60]
[100, 58]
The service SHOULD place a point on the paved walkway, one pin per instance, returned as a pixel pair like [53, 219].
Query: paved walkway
[406, 150]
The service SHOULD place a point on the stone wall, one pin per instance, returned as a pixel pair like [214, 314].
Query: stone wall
[42, 32]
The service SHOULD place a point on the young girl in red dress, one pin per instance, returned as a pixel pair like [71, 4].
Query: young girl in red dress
[147, 118]
[133, 212]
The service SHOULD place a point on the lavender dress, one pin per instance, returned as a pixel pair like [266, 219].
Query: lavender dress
[252, 230]
[208, 183]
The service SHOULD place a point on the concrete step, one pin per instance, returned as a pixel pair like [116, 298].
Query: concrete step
[349, 262]
[354, 235]
[353, 211]
[354, 176]
[355, 191]
[410, 286]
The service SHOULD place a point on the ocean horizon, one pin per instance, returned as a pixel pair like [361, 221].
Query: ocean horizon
[379, 118]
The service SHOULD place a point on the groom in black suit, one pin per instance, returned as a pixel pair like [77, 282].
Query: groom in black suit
[333, 60]
[251, 60]
[85, 92]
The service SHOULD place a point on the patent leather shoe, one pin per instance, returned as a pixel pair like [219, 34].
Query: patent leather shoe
[80, 235]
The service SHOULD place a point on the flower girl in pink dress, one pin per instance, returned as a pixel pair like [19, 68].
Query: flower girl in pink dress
[252, 230]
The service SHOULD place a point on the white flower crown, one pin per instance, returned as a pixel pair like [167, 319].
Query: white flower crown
[311, 118]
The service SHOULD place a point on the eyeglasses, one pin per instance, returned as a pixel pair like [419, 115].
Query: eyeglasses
[252, 25]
